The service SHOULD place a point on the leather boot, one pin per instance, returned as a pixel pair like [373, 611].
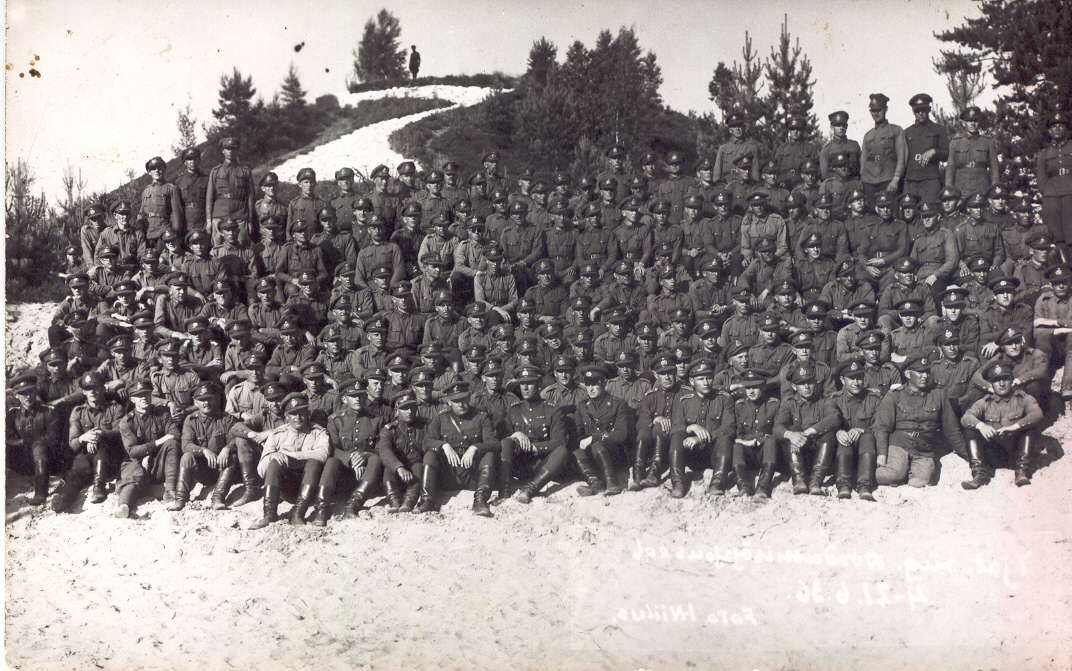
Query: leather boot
[251, 491]
[864, 469]
[360, 495]
[505, 490]
[1024, 459]
[426, 503]
[97, 495]
[483, 489]
[796, 466]
[658, 463]
[766, 481]
[182, 489]
[606, 464]
[66, 492]
[271, 507]
[40, 490]
[533, 486]
[824, 453]
[409, 498]
[744, 483]
[980, 473]
[297, 513]
[126, 502]
[592, 485]
[718, 477]
[844, 474]
[322, 510]
[223, 485]
[677, 473]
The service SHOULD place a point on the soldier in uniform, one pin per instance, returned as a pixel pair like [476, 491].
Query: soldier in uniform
[1054, 173]
[401, 450]
[230, 192]
[906, 424]
[1018, 233]
[928, 145]
[973, 158]
[537, 439]
[1053, 322]
[839, 144]
[953, 372]
[936, 250]
[150, 438]
[604, 422]
[354, 432]
[160, 203]
[464, 428]
[856, 406]
[761, 223]
[791, 155]
[1028, 367]
[207, 446]
[675, 186]
[807, 421]
[33, 437]
[1001, 429]
[755, 411]
[296, 447]
[1031, 272]
[885, 152]
[93, 433]
[1004, 311]
[192, 185]
[737, 146]
[977, 236]
[127, 240]
[616, 171]
[701, 431]
[954, 317]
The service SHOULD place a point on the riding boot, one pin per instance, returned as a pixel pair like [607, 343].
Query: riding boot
[744, 483]
[658, 463]
[533, 486]
[251, 490]
[271, 507]
[305, 497]
[360, 495]
[864, 469]
[824, 453]
[1024, 459]
[67, 491]
[677, 473]
[223, 485]
[98, 495]
[718, 477]
[844, 474]
[409, 498]
[483, 489]
[592, 484]
[638, 471]
[40, 490]
[796, 466]
[606, 464]
[125, 503]
[426, 503]
[980, 473]
[506, 474]
[322, 509]
[766, 480]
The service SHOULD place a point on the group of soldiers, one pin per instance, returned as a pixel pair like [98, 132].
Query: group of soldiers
[844, 311]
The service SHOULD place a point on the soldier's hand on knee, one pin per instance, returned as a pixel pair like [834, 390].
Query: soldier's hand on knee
[985, 430]
[211, 458]
[691, 442]
[452, 457]
[358, 460]
[585, 442]
[843, 438]
[522, 441]
[469, 457]
[405, 475]
[663, 423]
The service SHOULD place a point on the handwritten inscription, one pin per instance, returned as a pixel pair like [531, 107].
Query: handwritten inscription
[686, 614]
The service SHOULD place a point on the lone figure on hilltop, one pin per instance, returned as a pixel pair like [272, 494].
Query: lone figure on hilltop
[414, 61]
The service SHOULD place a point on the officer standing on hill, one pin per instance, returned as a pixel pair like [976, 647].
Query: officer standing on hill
[414, 61]
[882, 163]
[973, 157]
[230, 192]
[928, 144]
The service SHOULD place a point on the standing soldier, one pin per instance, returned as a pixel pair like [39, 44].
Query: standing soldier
[160, 203]
[537, 439]
[90, 233]
[882, 162]
[414, 61]
[795, 152]
[150, 438]
[839, 144]
[33, 436]
[615, 171]
[346, 201]
[192, 184]
[701, 431]
[604, 422]
[856, 405]
[928, 145]
[465, 429]
[129, 240]
[738, 145]
[230, 192]
[675, 186]
[306, 206]
[1000, 428]
[1054, 174]
[973, 158]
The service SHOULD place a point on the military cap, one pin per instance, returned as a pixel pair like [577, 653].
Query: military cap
[405, 400]
[313, 370]
[196, 325]
[543, 266]
[1003, 284]
[327, 213]
[1057, 118]
[954, 296]
[769, 323]
[540, 187]
[401, 289]
[702, 164]
[1059, 274]
[295, 403]
[801, 339]
[796, 199]
[491, 157]
[809, 167]
[803, 373]
[769, 167]
[177, 278]
[744, 161]
[593, 374]
[451, 168]
[998, 191]
[71, 250]
[142, 387]
[1011, 335]
[477, 309]
[950, 193]
[872, 339]
[584, 336]
[205, 391]
[376, 374]
[475, 223]
[230, 224]
[412, 209]
[766, 244]
[879, 101]
[292, 327]
[422, 376]
[920, 363]
[78, 319]
[675, 158]
[906, 264]
[493, 251]
[125, 287]
[753, 378]
[661, 206]
[1020, 205]
[551, 330]
[854, 195]
[853, 368]
[665, 249]
[527, 345]
[948, 337]
[723, 198]
[155, 163]
[352, 388]
[975, 200]
[561, 208]
[190, 154]
[816, 309]
[758, 198]
[742, 293]
[838, 118]
[920, 100]
[683, 353]
[462, 208]
[713, 264]
[229, 143]
[582, 302]
[503, 332]
[499, 196]
[397, 361]
[668, 272]
[433, 259]
[999, 370]
[271, 222]
[664, 364]
[735, 119]
[200, 236]
[254, 359]
[266, 285]
[143, 319]
[736, 347]
[91, 380]
[407, 168]
[518, 207]
[631, 204]
[860, 308]
[885, 199]
[912, 306]
[617, 315]
[623, 268]
[169, 347]
[647, 330]
[839, 160]
[1040, 241]
[971, 113]
[589, 269]
[273, 391]
[627, 358]
[457, 391]
[978, 264]
[708, 328]
[54, 355]
[784, 288]
[615, 151]
[695, 202]
[442, 297]
[795, 122]
[701, 367]
[529, 374]
[526, 305]
[109, 251]
[380, 170]
[78, 280]
[93, 212]
[813, 240]
[306, 174]
[434, 177]
[930, 209]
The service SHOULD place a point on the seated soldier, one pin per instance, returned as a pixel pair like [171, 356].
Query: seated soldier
[401, 451]
[537, 439]
[353, 432]
[33, 436]
[807, 422]
[1000, 429]
[755, 411]
[209, 452]
[701, 431]
[603, 421]
[251, 433]
[94, 440]
[463, 427]
[856, 405]
[150, 438]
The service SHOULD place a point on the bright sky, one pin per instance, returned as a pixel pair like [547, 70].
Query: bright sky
[114, 74]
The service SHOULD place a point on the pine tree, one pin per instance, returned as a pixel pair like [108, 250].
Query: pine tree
[236, 112]
[740, 90]
[541, 62]
[789, 86]
[379, 55]
[293, 93]
[187, 125]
